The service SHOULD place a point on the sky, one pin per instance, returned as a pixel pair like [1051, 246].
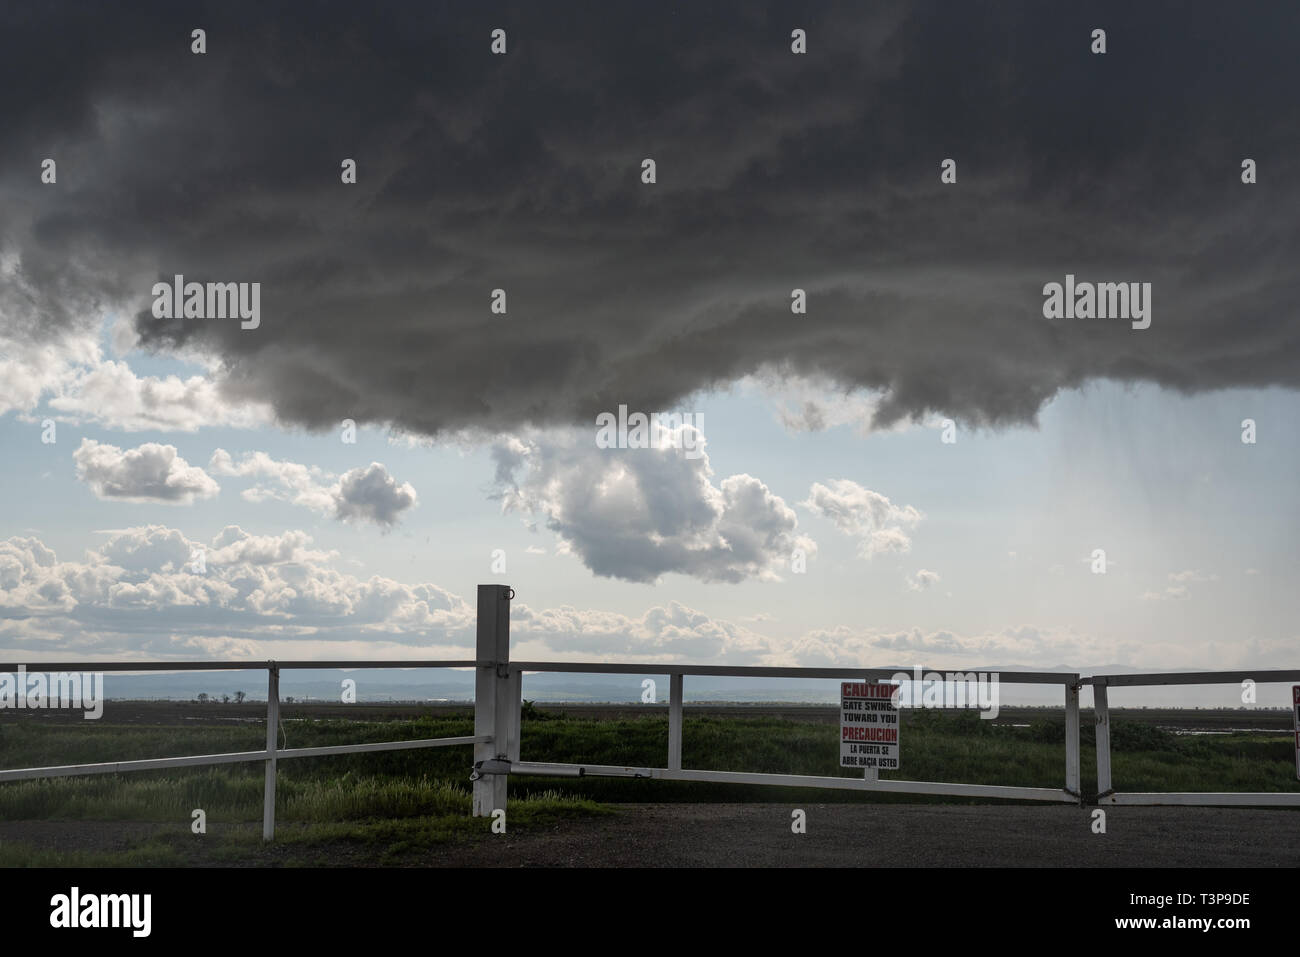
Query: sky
[888, 451]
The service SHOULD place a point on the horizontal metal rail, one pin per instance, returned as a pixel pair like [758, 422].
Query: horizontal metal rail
[382, 746]
[589, 667]
[1192, 678]
[48, 666]
[231, 757]
[546, 769]
[1206, 798]
[147, 764]
[657, 668]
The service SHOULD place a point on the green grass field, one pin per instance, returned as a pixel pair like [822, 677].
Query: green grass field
[391, 804]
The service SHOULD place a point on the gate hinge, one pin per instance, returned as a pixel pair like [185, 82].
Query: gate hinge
[490, 766]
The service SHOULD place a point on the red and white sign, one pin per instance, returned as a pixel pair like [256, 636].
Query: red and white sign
[1295, 720]
[868, 725]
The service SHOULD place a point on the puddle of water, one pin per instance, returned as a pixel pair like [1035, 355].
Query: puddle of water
[1185, 731]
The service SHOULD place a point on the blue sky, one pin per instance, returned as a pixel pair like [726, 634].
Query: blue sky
[1198, 529]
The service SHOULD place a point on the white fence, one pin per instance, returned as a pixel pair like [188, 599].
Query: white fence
[272, 753]
[497, 717]
[497, 712]
[1106, 793]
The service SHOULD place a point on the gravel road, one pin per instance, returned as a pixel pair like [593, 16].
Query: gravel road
[838, 835]
[898, 835]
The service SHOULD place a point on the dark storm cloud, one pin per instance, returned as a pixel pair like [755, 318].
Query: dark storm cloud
[775, 171]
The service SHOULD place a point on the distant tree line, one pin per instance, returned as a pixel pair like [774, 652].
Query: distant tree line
[205, 698]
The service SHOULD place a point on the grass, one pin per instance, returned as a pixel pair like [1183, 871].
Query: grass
[389, 806]
[384, 841]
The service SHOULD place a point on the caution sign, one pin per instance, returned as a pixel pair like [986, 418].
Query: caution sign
[869, 725]
[1295, 720]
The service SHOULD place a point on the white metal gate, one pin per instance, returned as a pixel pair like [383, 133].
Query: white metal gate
[497, 713]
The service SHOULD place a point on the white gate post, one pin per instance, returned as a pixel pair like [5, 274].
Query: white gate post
[1072, 739]
[1102, 707]
[491, 697]
[675, 722]
[515, 704]
[272, 744]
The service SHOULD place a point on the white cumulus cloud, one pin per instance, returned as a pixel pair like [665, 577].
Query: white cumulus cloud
[877, 523]
[922, 580]
[640, 513]
[151, 473]
[79, 384]
[363, 494]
